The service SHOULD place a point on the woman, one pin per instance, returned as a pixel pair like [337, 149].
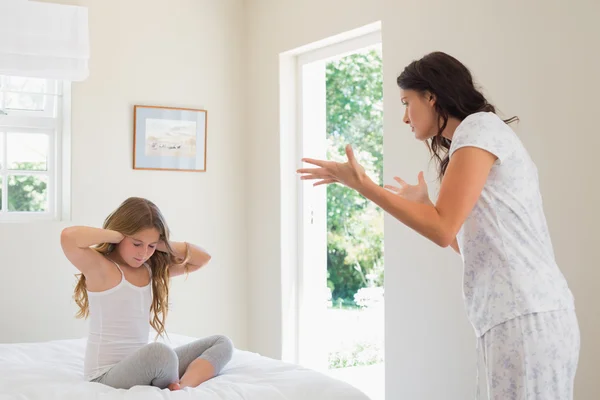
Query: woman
[489, 209]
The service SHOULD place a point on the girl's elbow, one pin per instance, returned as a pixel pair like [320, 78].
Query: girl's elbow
[204, 260]
[67, 233]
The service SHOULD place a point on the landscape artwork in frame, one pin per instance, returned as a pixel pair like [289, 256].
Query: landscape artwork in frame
[168, 138]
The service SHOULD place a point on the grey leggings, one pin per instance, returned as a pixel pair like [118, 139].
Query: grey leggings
[157, 364]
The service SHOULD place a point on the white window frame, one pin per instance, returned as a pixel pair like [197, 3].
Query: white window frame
[55, 121]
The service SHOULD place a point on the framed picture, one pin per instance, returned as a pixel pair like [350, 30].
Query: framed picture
[170, 139]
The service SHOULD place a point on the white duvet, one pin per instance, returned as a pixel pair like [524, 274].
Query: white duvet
[54, 370]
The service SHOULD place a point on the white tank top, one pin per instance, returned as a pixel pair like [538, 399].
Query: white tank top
[119, 324]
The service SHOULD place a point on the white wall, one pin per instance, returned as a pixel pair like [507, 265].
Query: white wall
[537, 60]
[183, 53]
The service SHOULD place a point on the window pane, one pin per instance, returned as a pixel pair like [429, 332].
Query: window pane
[27, 193]
[1, 150]
[1, 192]
[24, 101]
[27, 94]
[24, 84]
[27, 151]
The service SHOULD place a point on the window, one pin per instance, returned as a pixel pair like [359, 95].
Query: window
[34, 156]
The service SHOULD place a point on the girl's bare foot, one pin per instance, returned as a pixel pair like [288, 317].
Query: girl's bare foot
[198, 371]
[174, 386]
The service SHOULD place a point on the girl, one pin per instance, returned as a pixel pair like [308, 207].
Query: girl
[489, 209]
[124, 288]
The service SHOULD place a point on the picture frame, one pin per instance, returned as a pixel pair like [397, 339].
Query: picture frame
[169, 138]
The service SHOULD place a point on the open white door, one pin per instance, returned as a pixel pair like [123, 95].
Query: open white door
[312, 278]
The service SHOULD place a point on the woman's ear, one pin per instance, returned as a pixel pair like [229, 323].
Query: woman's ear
[431, 98]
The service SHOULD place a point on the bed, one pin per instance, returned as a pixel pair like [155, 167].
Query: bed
[54, 370]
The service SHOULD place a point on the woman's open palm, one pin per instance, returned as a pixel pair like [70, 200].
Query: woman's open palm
[349, 173]
[417, 193]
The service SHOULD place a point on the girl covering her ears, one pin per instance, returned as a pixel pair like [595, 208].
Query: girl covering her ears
[489, 209]
[124, 289]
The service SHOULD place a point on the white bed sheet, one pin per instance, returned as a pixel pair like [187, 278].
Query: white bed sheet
[54, 370]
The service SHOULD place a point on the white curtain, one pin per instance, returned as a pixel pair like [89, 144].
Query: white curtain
[44, 40]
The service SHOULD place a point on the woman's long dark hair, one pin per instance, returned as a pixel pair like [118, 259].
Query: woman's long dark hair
[456, 96]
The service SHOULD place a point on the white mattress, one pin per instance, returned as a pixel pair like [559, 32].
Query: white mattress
[54, 370]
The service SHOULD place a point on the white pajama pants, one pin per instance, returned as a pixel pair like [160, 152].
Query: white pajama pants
[532, 357]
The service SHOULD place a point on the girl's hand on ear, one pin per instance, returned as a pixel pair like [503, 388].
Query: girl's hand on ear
[161, 247]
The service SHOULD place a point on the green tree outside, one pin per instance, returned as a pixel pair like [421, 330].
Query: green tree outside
[26, 193]
[355, 226]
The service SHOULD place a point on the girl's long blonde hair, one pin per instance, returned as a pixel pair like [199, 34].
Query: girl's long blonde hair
[132, 216]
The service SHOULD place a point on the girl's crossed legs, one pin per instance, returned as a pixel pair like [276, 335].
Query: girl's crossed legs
[157, 364]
